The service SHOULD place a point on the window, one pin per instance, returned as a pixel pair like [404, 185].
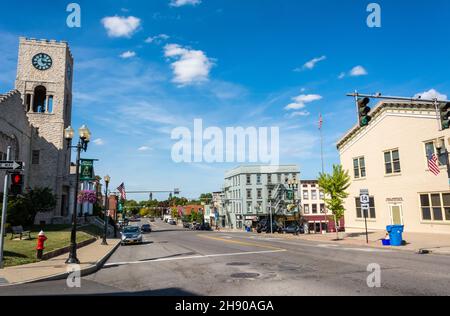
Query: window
[249, 179]
[430, 148]
[249, 207]
[435, 207]
[2, 156]
[305, 195]
[314, 208]
[314, 195]
[359, 167]
[322, 195]
[40, 95]
[306, 208]
[258, 179]
[35, 157]
[322, 209]
[259, 207]
[249, 194]
[269, 179]
[259, 194]
[279, 178]
[372, 213]
[269, 194]
[392, 162]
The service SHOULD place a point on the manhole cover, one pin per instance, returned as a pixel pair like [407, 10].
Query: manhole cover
[238, 264]
[245, 275]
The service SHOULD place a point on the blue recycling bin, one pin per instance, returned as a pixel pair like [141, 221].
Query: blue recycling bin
[396, 234]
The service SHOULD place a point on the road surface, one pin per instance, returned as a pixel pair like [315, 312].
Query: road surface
[174, 261]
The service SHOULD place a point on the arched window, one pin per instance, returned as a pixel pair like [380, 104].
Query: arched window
[40, 96]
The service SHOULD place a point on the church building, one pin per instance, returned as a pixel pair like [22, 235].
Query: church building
[33, 117]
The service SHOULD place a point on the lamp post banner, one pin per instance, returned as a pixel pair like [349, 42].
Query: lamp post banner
[87, 170]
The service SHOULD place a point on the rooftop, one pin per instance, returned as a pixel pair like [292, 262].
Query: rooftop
[383, 106]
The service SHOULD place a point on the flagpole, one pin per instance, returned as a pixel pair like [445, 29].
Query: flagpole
[323, 162]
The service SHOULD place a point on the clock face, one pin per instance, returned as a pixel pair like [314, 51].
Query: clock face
[42, 61]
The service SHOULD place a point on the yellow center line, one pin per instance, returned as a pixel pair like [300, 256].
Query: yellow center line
[241, 242]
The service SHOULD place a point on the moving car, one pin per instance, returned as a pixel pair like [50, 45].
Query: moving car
[146, 228]
[264, 226]
[295, 229]
[131, 235]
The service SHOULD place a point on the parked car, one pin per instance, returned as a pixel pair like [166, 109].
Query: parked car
[205, 227]
[131, 235]
[264, 226]
[196, 226]
[172, 222]
[146, 228]
[186, 225]
[295, 229]
[152, 219]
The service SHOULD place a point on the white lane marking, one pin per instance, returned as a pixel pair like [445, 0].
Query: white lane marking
[195, 257]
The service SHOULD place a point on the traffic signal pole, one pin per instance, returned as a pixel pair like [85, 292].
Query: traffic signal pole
[434, 101]
[4, 210]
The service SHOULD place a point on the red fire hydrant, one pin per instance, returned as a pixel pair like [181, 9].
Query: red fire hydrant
[40, 245]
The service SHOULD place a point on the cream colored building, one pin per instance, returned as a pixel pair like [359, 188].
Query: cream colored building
[389, 158]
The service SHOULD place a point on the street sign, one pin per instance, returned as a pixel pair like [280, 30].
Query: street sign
[11, 165]
[365, 207]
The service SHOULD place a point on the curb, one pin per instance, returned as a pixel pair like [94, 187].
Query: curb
[84, 272]
[422, 251]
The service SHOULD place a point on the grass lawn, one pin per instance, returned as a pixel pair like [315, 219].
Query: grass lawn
[24, 251]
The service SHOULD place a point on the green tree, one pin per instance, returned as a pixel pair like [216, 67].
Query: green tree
[22, 210]
[335, 188]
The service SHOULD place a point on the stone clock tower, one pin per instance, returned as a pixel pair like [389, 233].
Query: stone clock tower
[44, 79]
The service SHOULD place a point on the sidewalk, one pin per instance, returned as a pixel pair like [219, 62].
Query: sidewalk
[415, 242]
[92, 257]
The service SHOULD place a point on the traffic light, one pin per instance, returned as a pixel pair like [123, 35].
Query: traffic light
[364, 110]
[445, 115]
[16, 183]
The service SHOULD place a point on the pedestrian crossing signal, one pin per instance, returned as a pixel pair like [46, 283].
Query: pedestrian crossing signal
[16, 183]
[364, 110]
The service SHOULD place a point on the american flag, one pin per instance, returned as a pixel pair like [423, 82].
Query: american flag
[320, 121]
[433, 164]
[123, 193]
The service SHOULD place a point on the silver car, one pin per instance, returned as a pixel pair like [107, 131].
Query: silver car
[131, 235]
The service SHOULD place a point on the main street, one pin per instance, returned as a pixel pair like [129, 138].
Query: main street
[174, 261]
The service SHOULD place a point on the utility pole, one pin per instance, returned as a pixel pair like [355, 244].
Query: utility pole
[4, 210]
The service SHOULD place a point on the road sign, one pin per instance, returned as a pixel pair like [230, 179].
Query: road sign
[11, 165]
[365, 207]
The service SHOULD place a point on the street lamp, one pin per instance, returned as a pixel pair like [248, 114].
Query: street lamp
[85, 137]
[107, 180]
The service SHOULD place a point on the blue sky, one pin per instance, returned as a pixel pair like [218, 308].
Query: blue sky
[143, 68]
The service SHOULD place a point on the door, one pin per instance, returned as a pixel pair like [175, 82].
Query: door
[396, 214]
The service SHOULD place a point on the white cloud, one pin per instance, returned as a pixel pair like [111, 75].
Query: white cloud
[312, 63]
[191, 66]
[358, 71]
[180, 3]
[430, 95]
[157, 39]
[341, 75]
[99, 142]
[128, 54]
[301, 101]
[299, 113]
[117, 26]
[144, 148]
